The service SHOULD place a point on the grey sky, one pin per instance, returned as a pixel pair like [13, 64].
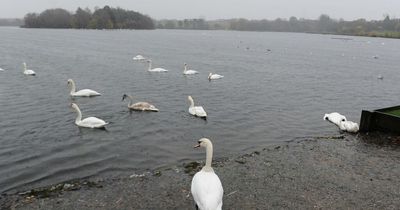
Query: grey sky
[219, 9]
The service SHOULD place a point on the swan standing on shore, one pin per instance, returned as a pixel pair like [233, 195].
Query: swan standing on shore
[139, 106]
[190, 71]
[212, 76]
[155, 69]
[206, 186]
[90, 122]
[28, 71]
[197, 111]
[81, 93]
[139, 58]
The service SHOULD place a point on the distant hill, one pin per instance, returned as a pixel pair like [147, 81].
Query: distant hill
[11, 22]
[102, 18]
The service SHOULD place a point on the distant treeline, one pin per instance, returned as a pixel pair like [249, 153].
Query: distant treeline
[11, 22]
[101, 18]
[387, 27]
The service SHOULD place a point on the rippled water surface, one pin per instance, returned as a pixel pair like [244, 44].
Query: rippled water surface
[265, 97]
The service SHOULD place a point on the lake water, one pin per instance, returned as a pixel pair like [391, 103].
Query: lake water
[265, 97]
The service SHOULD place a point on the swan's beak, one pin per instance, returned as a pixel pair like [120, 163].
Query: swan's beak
[196, 146]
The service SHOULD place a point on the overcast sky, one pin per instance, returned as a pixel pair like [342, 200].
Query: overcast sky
[219, 9]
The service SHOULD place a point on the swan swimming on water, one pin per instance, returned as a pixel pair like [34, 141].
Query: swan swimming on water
[155, 69]
[139, 106]
[206, 186]
[28, 71]
[139, 58]
[197, 111]
[90, 122]
[190, 71]
[81, 93]
[212, 76]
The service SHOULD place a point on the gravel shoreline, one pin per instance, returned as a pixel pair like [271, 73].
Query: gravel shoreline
[343, 172]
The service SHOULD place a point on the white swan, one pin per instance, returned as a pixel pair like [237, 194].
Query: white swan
[197, 111]
[155, 69]
[349, 126]
[90, 122]
[1, 69]
[212, 76]
[206, 187]
[81, 93]
[139, 106]
[341, 121]
[139, 58]
[28, 71]
[335, 118]
[189, 72]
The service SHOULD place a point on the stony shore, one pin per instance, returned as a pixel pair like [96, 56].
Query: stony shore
[342, 172]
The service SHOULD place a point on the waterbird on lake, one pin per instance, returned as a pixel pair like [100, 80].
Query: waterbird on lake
[139, 106]
[212, 76]
[190, 71]
[90, 122]
[28, 71]
[380, 76]
[197, 111]
[155, 69]
[341, 121]
[1, 69]
[139, 58]
[206, 186]
[81, 93]
[348, 126]
[335, 118]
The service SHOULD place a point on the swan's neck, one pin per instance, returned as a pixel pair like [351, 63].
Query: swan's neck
[130, 100]
[150, 65]
[73, 88]
[191, 102]
[209, 154]
[79, 117]
[24, 66]
[185, 69]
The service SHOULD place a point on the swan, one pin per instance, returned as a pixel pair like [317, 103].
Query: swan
[342, 122]
[197, 111]
[155, 69]
[335, 118]
[81, 93]
[206, 187]
[189, 72]
[212, 76]
[1, 69]
[139, 106]
[90, 122]
[139, 58]
[348, 126]
[28, 71]
[380, 76]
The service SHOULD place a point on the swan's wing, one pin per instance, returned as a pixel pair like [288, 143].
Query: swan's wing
[200, 111]
[87, 92]
[192, 72]
[144, 106]
[93, 122]
[158, 70]
[207, 190]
